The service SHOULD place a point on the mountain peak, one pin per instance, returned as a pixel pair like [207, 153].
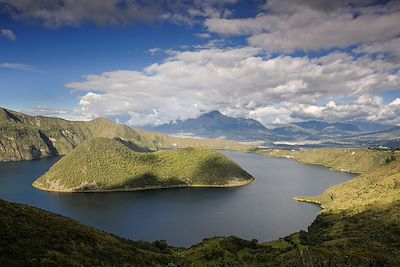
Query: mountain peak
[212, 114]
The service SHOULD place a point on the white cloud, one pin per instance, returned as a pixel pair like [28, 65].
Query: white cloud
[204, 35]
[17, 66]
[272, 115]
[154, 51]
[365, 107]
[389, 49]
[395, 102]
[242, 82]
[55, 14]
[309, 27]
[9, 34]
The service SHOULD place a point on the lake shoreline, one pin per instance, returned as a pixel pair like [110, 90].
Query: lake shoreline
[237, 184]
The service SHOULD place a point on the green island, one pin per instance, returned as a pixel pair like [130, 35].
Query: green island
[103, 164]
[358, 226]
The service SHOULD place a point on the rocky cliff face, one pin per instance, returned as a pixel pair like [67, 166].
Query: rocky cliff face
[24, 144]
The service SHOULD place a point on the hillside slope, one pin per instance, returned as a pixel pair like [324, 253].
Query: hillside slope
[32, 237]
[381, 186]
[338, 159]
[106, 164]
[24, 137]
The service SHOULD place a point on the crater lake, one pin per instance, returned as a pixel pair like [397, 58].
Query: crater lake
[263, 210]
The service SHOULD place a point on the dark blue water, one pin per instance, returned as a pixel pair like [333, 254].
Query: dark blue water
[264, 210]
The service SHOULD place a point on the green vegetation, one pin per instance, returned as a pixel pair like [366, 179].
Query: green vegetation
[381, 186]
[106, 164]
[338, 159]
[32, 237]
[24, 137]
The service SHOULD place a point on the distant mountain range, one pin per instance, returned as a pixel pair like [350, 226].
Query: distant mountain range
[371, 126]
[24, 137]
[214, 124]
[315, 130]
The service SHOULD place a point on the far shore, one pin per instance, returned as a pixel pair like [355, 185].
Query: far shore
[236, 184]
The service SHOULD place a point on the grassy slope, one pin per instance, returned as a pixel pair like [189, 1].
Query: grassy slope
[380, 186]
[339, 159]
[32, 237]
[24, 137]
[111, 166]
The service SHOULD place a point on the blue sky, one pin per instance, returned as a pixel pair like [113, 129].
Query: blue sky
[155, 61]
[58, 56]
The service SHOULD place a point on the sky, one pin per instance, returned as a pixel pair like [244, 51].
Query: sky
[150, 62]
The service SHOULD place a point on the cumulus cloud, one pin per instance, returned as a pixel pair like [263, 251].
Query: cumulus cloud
[390, 50]
[239, 81]
[365, 107]
[289, 26]
[395, 102]
[9, 34]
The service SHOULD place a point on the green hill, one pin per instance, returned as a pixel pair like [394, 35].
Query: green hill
[339, 159]
[32, 237]
[24, 137]
[381, 186]
[106, 164]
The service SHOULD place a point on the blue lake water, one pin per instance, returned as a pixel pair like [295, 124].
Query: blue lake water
[263, 210]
